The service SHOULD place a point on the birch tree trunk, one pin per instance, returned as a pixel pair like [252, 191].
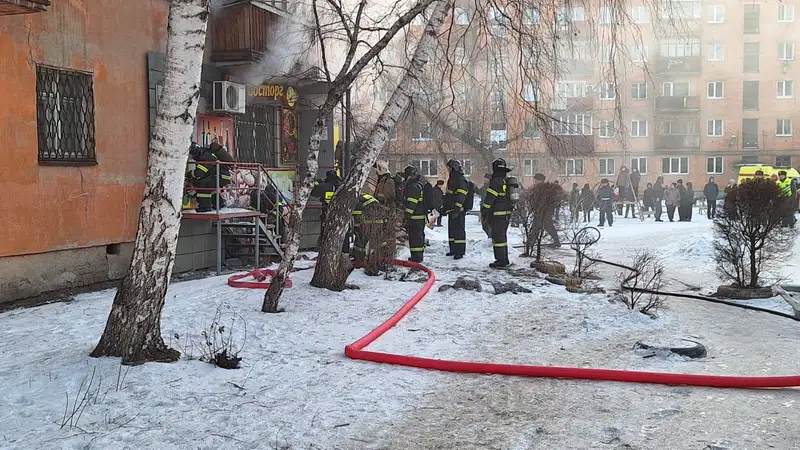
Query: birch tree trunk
[133, 329]
[332, 267]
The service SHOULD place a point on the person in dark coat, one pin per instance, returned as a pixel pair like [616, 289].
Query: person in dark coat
[658, 196]
[647, 197]
[605, 201]
[453, 206]
[672, 197]
[439, 201]
[587, 202]
[628, 198]
[636, 177]
[208, 177]
[415, 213]
[687, 200]
[727, 203]
[496, 210]
[711, 191]
[574, 202]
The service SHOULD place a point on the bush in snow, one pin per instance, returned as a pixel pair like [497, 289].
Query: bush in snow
[581, 239]
[220, 346]
[647, 274]
[539, 210]
[748, 235]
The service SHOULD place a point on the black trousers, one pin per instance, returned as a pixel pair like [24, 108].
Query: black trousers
[416, 238]
[457, 233]
[670, 212]
[587, 214]
[629, 209]
[207, 199]
[711, 208]
[657, 210]
[606, 213]
[499, 231]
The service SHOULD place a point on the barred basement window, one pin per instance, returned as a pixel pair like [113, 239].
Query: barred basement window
[65, 116]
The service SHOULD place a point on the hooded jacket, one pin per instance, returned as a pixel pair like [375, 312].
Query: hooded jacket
[658, 189]
[385, 187]
[624, 177]
[587, 198]
[672, 196]
[711, 191]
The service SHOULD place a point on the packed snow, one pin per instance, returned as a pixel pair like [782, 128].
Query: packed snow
[296, 389]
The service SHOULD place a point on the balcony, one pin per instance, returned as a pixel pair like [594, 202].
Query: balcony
[569, 146]
[239, 35]
[677, 142]
[578, 104]
[686, 64]
[678, 104]
[9, 7]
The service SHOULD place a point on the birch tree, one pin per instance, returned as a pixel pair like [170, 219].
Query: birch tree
[352, 67]
[133, 329]
[332, 267]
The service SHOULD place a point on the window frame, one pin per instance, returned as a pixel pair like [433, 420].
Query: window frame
[467, 168]
[606, 172]
[780, 83]
[715, 46]
[638, 89]
[636, 11]
[430, 163]
[537, 130]
[638, 164]
[716, 170]
[680, 159]
[459, 13]
[782, 7]
[782, 45]
[531, 16]
[605, 125]
[712, 17]
[529, 163]
[609, 88]
[721, 127]
[419, 137]
[575, 163]
[783, 156]
[639, 128]
[717, 95]
[780, 124]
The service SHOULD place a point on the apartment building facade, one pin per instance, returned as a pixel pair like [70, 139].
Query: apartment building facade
[687, 90]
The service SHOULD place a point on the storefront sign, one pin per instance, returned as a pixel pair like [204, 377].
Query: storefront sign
[289, 136]
[287, 95]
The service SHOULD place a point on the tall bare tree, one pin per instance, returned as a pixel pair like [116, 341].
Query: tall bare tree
[133, 330]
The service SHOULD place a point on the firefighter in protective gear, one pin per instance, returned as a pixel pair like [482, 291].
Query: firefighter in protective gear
[369, 220]
[205, 177]
[324, 190]
[416, 215]
[457, 186]
[496, 209]
[385, 187]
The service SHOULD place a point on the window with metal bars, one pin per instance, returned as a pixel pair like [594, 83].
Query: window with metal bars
[65, 116]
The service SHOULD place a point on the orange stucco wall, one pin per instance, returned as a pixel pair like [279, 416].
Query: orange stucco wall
[46, 208]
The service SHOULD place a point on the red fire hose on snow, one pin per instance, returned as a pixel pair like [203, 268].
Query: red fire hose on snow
[356, 351]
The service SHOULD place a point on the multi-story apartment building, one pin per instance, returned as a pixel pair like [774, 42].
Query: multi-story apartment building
[695, 88]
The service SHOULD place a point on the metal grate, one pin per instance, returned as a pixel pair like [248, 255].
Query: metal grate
[65, 116]
[255, 135]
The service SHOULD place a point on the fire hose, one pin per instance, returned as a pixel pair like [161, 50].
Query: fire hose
[356, 350]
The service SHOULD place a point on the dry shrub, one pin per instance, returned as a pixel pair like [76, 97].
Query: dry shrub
[647, 274]
[748, 236]
[221, 346]
[581, 239]
[539, 207]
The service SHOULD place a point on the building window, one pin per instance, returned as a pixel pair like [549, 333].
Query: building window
[570, 89]
[785, 89]
[607, 129]
[681, 10]
[785, 13]
[639, 128]
[531, 16]
[714, 165]
[749, 133]
[65, 116]
[573, 167]
[608, 91]
[421, 132]
[572, 125]
[393, 134]
[715, 128]
[751, 57]
[783, 161]
[607, 166]
[606, 15]
[466, 165]
[785, 51]
[639, 52]
[680, 47]
[639, 91]
[676, 89]
[675, 166]
[716, 52]
[716, 13]
[567, 15]
[530, 166]
[716, 89]
[750, 95]
[752, 18]
[384, 95]
[784, 127]
[462, 16]
[532, 130]
[426, 167]
[499, 134]
[530, 93]
[640, 14]
[639, 164]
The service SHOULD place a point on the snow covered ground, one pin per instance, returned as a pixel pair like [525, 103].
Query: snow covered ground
[296, 390]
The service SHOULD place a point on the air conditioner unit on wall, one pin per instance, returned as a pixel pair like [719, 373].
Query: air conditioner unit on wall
[591, 88]
[229, 97]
